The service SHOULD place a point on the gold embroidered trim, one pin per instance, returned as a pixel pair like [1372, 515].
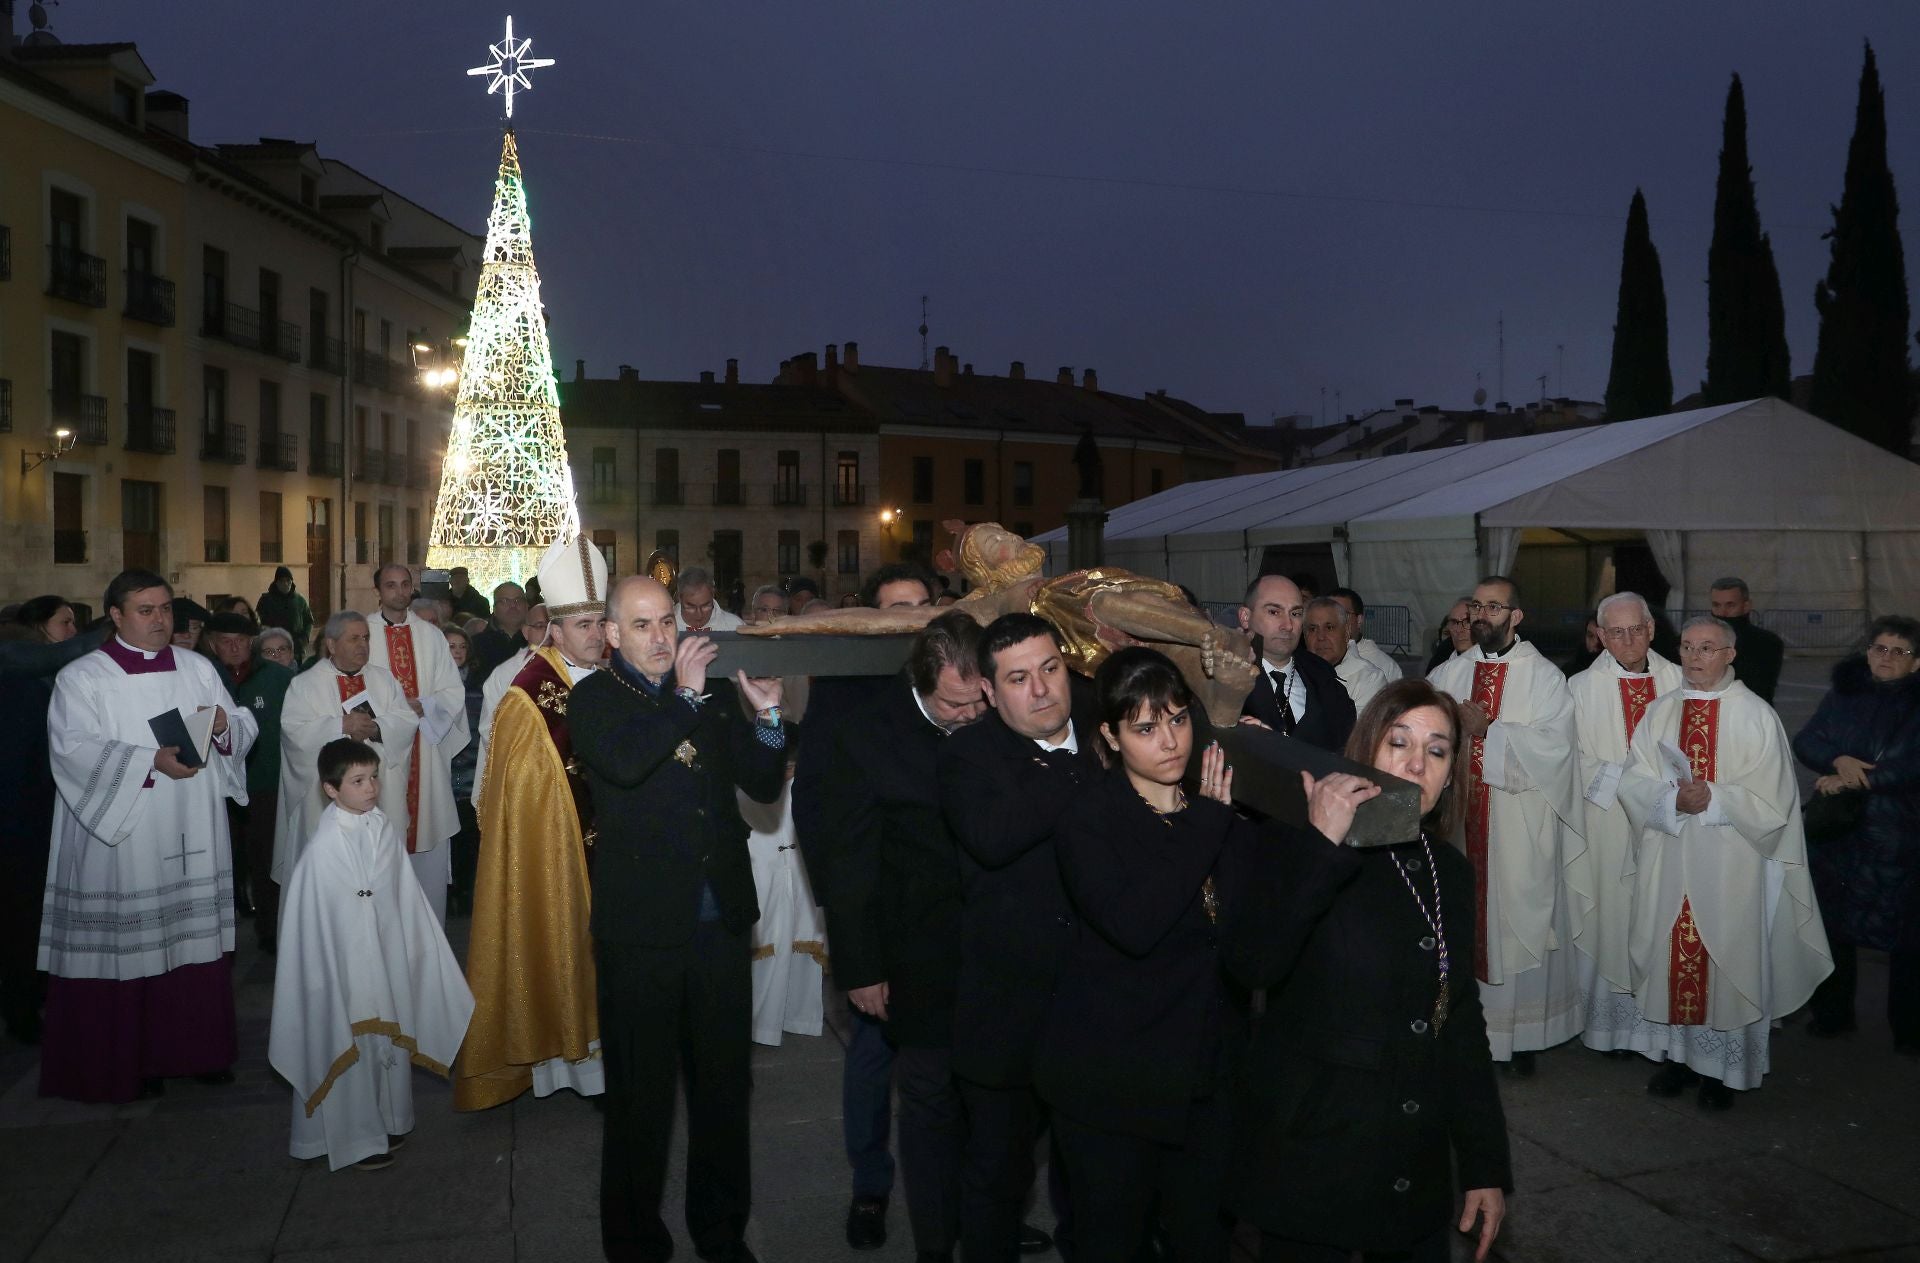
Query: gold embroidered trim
[812, 947]
[346, 1060]
[763, 952]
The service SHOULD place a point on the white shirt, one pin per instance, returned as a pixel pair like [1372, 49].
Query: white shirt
[719, 620]
[1071, 745]
[1296, 688]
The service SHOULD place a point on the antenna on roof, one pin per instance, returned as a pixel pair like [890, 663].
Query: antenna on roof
[1500, 325]
[924, 364]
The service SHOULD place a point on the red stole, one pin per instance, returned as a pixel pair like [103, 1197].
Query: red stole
[1687, 955]
[400, 661]
[1636, 694]
[352, 686]
[541, 682]
[1489, 686]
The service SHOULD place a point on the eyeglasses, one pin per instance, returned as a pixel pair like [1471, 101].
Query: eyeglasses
[1454, 622]
[1487, 607]
[1703, 651]
[1627, 633]
[1889, 651]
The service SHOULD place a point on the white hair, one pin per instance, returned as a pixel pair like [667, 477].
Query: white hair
[340, 620]
[1708, 620]
[273, 633]
[1619, 598]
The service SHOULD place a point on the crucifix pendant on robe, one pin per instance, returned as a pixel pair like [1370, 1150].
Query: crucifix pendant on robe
[1440, 1004]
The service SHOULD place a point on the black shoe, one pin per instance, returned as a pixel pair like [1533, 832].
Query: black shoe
[1907, 1047]
[933, 1256]
[1034, 1241]
[215, 1078]
[1523, 1064]
[735, 1253]
[1715, 1095]
[867, 1223]
[1671, 1079]
[151, 1088]
[1820, 1028]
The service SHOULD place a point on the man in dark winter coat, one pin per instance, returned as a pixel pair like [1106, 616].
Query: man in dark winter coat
[1758, 653]
[283, 607]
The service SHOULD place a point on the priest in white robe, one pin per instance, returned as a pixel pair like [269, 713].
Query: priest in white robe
[365, 987]
[790, 938]
[1522, 830]
[137, 921]
[1610, 698]
[1364, 646]
[417, 655]
[1328, 631]
[340, 695]
[533, 634]
[1726, 934]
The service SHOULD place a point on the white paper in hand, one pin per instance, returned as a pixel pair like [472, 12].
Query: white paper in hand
[1674, 764]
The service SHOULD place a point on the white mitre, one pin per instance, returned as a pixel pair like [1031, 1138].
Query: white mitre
[573, 578]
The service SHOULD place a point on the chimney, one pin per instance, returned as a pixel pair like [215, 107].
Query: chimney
[579, 370]
[1065, 377]
[1503, 407]
[166, 111]
[966, 370]
[1477, 429]
[833, 357]
[733, 372]
[1088, 381]
[806, 368]
[852, 361]
[942, 367]
[1018, 370]
[628, 373]
[706, 377]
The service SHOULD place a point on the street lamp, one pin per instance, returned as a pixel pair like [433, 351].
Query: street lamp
[888, 518]
[62, 439]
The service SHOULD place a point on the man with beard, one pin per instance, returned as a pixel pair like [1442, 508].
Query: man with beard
[1316, 707]
[1727, 936]
[894, 912]
[530, 957]
[1522, 826]
[1760, 652]
[1610, 698]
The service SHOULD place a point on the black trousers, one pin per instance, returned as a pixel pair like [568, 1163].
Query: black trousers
[1115, 1180]
[933, 1143]
[996, 1172]
[667, 1012]
[1433, 1249]
[1833, 998]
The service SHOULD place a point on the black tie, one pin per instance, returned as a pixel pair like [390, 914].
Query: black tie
[1281, 695]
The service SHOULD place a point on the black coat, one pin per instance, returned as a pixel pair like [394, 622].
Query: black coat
[1004, 803]
[832, 700]
[1143, 1021]
[1352, 1111]
[1869, 883]
[1757, 655]
[492, 647]
[663, 773]
[893, 909]
[1328, 720]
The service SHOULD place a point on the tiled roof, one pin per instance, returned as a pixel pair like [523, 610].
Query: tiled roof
[659, 405]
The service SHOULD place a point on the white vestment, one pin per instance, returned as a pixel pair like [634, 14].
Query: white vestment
[364, 987]
[1360, 677]
[719, 620]
[1740, 867]
[1528, 765]
[1382, 661]
[491, 691]
[140, 871]
[789, 939]
[443, 733]
[312, 716]
[1604, 876]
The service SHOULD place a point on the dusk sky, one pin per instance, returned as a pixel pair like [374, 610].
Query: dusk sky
[1241, 203]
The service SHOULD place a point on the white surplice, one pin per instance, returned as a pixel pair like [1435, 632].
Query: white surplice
[312, 716]
[1530, 992]
[1741, 868]
[443, 733]
[495, 687]
[1382, 661]
[365, 987]
[1360, 678]
[140, 873]
[789, 939]
[1604, 876]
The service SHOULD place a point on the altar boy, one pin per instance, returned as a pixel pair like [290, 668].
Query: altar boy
[365, 985]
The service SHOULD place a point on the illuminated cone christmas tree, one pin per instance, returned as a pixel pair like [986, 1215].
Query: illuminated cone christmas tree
[506, 492]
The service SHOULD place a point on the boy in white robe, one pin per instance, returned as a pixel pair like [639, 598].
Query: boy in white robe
[365, 985]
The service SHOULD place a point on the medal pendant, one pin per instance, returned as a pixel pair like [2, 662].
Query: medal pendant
[685, 753]
[1440, 1005]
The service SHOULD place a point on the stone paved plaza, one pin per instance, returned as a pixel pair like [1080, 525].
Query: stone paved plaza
[1821, 1163]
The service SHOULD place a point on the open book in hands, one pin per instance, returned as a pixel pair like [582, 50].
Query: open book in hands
[191, 733]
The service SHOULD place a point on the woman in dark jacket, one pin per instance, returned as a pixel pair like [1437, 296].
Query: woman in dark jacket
[1369, 1081]
[1865, 740]
[1143, 1022]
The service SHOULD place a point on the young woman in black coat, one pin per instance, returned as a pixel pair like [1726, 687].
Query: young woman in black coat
[1134, 1059]
[1368, 1081]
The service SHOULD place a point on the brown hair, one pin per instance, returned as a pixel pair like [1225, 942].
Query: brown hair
[1446, 819]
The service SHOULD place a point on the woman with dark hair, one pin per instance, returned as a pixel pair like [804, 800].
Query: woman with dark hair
[1369, 1081]
[1135, 1056]
[50, 617]
[1865, 743]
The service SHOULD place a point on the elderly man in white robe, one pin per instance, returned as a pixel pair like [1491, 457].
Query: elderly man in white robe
[340, 695]
[533, 634]
[1363, 645]
[1610, 698]
[1726, 933]
[137, 922]
[417, 655]
[1328, 631]
[1522, 827]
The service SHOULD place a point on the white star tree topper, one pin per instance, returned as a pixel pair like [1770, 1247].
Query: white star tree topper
[507, 72]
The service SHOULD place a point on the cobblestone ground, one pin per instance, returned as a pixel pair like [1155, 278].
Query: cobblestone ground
[1821, 1163]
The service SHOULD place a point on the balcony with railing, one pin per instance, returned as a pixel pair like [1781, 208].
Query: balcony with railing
[419, 474]
[243, 326]
[85, 415]
[77, 276]
[226, 444]
[278, 450]
[369, 466]
[6, 405]
[370, 368]
[323, 459]
[329, 355]
[149, 298]
[850, 495]
[149, 429]
[666, 493]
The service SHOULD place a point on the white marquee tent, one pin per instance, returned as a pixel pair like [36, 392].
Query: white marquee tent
[1813, 517]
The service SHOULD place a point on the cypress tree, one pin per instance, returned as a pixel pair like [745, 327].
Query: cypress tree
[1640, 383]
[1860, 374]
[1746, 319]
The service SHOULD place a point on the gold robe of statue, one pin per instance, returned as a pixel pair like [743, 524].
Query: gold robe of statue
[530, 957]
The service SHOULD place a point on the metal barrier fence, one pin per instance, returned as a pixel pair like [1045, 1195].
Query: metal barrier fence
[1822, 630]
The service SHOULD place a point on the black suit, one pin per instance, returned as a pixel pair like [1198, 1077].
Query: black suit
[1005, 800]
[893, 914]
[492, 647]
[673, 900]
[1328, 719]
[1757, 657]
[1144, 1023]
[1353, 1111]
